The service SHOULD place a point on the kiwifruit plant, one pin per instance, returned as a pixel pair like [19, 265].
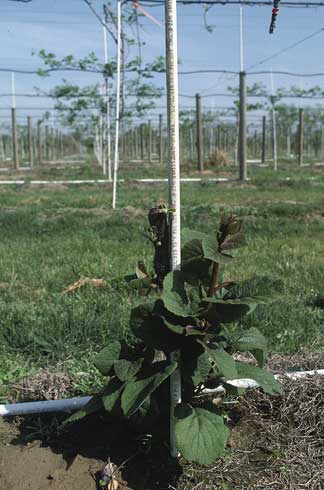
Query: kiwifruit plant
[197, 313]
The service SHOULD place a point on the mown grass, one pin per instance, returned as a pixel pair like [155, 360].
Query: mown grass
[51, 237]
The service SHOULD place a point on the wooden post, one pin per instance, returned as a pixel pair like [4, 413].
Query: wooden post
[61, 145]
[274, 139]
[142, 141]
[39, 141]
[149, 130]
[242, 129]
[263, 152]
[46, 143]
[288, 142]
[2, 149]
[255, 143]
[136, 143]
[199, 135]
[160, 139]
[30, 141]
[14, 138]
[301, 136]
[52, 144]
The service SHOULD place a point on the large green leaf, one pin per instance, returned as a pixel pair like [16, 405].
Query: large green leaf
[265, 379]
[228, 311]
[112, 393]
[202, 369]
[106, 358]
[147, 325]
[253, 341]
[224, 362]
[210, 248]
[126, 370]
[179, 329]
[175, 298]
[200, 434]
[136, 392]
[191, 252]
[194, 267]
[93, 405]
[187, 235]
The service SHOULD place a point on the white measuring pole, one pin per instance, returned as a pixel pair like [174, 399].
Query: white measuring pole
[174, 183]
[117, 104]
[108, 136]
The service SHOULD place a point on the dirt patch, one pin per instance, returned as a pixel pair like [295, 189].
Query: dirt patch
[38, 468]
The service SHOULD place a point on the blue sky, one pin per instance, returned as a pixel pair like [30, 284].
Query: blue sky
[69, 27]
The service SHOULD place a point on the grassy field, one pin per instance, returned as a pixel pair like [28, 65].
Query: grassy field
[52, 236]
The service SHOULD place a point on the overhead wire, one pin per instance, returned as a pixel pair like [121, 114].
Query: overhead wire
[284, 50]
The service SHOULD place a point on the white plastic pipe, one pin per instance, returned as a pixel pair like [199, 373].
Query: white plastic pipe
[71, 404]
[27, 408]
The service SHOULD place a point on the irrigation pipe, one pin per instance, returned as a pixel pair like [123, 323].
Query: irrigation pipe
[105, 181]
[71, 404]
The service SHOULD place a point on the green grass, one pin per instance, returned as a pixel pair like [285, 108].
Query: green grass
[51, 237]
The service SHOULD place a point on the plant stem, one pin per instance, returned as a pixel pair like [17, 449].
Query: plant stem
[214, 279]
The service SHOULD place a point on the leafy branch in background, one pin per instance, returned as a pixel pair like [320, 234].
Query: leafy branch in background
[195, 311]
[80, 101]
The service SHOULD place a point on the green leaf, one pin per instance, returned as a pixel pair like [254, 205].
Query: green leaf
[210, 248]
[106, 358]
[179, 329]
[112, 393]
[228, 311]
[200, 434]
[224, 361]
[93, 405]
[253, 341]
[191, 252]
[126, 370]
[174, 296]
[195, 365]
[147, 325]
[265, 379]
[187, 235]
[136, 392]
[202, 369]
